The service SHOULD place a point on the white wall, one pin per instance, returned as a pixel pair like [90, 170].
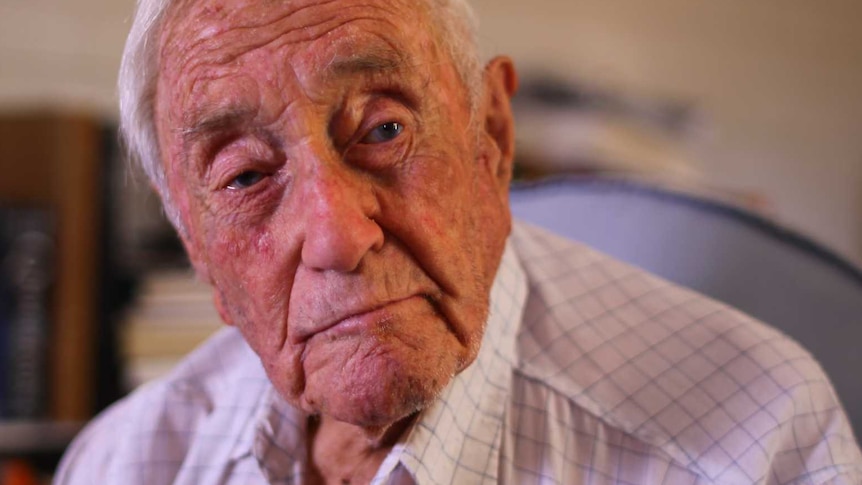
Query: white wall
[61, 51]
[779, 79]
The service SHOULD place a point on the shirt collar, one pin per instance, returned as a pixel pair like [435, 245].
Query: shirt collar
[454, 441]
[273, 432]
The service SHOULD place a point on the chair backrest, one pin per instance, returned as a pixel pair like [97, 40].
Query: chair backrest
[721, 251]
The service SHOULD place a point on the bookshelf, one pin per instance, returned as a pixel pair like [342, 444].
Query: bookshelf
[29, 437]
[53, 161]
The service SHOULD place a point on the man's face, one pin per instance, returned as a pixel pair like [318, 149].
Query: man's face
[349, 216]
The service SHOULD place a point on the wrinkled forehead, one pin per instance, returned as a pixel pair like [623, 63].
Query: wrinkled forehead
[222, 30]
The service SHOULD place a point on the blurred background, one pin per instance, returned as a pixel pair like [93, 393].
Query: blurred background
[755, 104]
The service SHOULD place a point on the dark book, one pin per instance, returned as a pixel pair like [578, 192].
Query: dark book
[27, 254]
[5, 313]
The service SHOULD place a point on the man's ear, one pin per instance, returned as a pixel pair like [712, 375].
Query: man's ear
[500, 84]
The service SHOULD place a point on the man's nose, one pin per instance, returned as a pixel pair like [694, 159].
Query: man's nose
[339, 224]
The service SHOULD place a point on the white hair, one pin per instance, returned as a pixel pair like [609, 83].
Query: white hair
[139, 69]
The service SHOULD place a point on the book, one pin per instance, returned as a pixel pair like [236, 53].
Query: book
[5, 313]
[27, 274]
[173, 314]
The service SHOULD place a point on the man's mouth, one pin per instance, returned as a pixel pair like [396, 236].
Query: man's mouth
[359, 322]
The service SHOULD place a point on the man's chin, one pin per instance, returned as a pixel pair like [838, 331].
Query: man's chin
[379, 376]
[377, 412]
[376, 393]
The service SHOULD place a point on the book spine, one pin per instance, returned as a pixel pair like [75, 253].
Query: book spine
[5, 314]
[28, 270]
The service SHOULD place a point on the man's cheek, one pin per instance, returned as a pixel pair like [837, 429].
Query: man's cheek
[239, 251]
[232, 273]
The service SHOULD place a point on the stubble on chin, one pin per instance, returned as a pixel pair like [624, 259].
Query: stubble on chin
[375, 382]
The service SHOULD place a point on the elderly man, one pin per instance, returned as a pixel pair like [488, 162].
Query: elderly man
[338, 171]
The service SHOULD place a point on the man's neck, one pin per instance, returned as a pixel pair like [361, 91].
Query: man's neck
[341, 453]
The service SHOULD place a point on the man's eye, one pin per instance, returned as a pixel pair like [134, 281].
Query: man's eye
[245, 180]
[383, 133]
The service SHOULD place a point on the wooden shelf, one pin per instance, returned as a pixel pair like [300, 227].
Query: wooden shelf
[26, 437]
[52, 160]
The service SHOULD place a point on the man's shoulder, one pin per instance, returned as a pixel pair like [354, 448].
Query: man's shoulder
[161, 421]
[201, 382]
[721, 393]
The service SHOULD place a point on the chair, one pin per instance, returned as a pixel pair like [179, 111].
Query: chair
[767, 271]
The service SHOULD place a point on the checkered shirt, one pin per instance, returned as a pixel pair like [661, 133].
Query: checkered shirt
[590, 372]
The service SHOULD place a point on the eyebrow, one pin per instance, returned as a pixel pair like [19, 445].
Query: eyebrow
[379, 62]
[218, 120]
